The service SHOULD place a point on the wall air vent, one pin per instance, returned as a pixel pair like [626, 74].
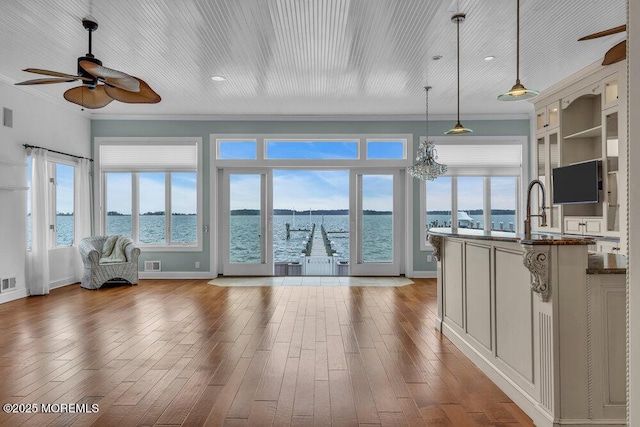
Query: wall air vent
[8, 284]
[152, 266]
[7, 117]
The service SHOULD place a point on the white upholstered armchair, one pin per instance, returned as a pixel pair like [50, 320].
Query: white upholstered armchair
[98, 269]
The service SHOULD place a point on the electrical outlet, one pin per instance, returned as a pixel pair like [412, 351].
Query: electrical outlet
[197, 264]
[429, 258]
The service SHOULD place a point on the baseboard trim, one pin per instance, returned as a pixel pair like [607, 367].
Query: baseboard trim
[62, 282]
[423, 274]
[176, 275]
[13, 295]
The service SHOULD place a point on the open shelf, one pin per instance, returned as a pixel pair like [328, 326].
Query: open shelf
[588, 133]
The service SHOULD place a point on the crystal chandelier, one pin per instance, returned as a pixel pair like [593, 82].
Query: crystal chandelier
[426, 167]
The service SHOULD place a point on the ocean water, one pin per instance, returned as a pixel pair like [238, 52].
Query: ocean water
[245, 232]
[245, 240]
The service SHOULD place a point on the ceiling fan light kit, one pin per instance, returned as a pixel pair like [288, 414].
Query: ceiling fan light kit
[518, 92]
[458, 129]
[100, 85]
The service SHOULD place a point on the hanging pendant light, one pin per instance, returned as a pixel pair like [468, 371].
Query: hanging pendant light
[518, 92]
[426, 167]
[458, 129]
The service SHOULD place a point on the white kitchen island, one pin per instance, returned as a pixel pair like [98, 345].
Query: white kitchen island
[543, 318]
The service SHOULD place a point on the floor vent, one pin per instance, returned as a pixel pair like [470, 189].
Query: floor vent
[152, 266]
[8, 284]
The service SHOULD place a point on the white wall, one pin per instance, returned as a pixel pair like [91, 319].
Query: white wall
[633, 35]
[48, 124]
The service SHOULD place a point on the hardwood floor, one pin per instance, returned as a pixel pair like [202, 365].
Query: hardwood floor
[183, 352]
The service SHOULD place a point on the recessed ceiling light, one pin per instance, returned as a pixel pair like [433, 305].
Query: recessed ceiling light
[218, 78]
[436, 57]
[489, 58]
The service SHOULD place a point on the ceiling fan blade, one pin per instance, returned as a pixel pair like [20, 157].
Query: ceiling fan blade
[45, 81]
[615, 54]
[88, 98]
[146, 95]
[111, 77]
[55, 74]
[608, 32]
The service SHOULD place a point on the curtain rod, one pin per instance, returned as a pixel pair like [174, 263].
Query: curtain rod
[58, 152]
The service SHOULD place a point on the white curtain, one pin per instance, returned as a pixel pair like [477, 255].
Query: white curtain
[82, 209]
[38, 257]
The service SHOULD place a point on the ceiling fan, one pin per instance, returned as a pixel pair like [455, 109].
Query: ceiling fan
[616, 53]
[100, 85]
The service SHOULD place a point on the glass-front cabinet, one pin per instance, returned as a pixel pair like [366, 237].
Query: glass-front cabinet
[610, 92]
[548, 117]
[611, 150]
[548, 158]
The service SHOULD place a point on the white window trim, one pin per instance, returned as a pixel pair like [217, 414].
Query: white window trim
[216, 165]
[520, 174]
[262, 139]
[52, 160]
[100, 195]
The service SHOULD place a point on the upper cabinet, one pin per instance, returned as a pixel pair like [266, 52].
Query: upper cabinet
[548, 117]
[610, 98]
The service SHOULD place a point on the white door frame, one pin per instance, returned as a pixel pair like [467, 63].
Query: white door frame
[356, 265]
[265, 267]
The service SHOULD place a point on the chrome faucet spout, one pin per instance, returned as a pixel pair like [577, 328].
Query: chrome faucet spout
[542, 215]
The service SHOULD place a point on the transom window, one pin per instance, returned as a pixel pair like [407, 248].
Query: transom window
[311, 150]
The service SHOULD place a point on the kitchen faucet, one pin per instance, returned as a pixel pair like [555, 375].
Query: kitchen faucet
[543, 215]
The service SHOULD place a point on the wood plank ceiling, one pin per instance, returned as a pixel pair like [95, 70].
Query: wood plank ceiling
[309, 57]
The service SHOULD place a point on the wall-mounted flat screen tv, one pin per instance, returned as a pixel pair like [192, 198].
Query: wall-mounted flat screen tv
[577, 183]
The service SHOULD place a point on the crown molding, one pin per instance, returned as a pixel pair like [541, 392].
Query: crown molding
[307, 118]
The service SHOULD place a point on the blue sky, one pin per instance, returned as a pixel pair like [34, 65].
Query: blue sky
[152, 192]
[311, 189]
[299, 189]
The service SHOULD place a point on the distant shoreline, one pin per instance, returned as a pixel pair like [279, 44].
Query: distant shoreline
[249, 212]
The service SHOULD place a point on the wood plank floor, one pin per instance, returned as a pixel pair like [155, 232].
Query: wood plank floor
[183, 352]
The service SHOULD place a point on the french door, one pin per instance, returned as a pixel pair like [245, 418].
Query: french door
[375, 223]
[247, 220]
[376, 215]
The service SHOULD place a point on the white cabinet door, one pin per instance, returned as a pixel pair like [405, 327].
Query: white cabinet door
[573, 225]
[593, 225]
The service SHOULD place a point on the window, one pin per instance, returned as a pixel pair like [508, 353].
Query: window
[481, 189]
[29, 168]
[152, 192]
[61, 198]
[63, 183]
[280, 149]
[237, 149]
[504, 196]
[386, 149]
[184, 207]
[259, 150]
[118, 197]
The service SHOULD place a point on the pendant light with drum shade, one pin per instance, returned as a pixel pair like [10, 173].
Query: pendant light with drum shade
[518, 92]
[458, 129]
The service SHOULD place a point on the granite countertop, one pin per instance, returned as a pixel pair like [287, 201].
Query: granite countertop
[601, 263]
[504, 236]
